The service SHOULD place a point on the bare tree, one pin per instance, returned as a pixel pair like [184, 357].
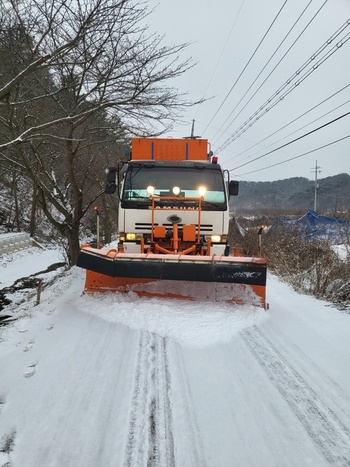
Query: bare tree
[101, 50]
[87, 74]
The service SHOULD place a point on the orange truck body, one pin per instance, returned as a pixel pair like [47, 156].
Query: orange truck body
[174, 243]
[169, 149]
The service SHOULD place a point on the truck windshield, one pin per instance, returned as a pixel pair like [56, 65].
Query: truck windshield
[141, 182]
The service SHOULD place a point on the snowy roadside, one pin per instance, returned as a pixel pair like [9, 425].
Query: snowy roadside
[21, 272]
[116, 380]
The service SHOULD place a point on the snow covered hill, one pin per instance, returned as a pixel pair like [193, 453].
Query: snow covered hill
[116, 380]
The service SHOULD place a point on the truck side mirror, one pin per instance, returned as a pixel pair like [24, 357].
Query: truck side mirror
[233, 188]
[111, 185]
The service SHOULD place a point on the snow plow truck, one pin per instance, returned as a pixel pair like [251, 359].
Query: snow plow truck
[173, 224]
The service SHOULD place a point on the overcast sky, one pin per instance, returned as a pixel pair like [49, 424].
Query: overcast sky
[225, 37]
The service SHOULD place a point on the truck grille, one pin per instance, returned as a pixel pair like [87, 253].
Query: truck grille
[147, 226]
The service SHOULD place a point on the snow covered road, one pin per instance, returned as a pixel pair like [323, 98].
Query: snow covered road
[123, 381]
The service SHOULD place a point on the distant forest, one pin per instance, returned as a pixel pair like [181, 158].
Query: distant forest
[293, 196]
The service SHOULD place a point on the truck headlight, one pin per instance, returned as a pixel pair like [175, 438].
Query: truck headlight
[150, 190]
[202, 190]
[176, 190]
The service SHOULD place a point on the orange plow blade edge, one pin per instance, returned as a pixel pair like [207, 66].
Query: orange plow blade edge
[240, 280]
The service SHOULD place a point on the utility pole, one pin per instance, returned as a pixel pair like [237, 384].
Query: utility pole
[316, 170]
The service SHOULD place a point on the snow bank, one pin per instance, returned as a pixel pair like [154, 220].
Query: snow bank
[23, 263]
[194, 324]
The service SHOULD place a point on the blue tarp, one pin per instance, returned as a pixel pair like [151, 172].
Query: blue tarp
[313, 225]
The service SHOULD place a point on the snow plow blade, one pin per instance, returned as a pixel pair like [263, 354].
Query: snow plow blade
[208, 278]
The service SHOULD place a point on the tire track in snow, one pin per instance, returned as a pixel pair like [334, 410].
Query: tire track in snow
[150, 439]
[322, 425]
[162, 407]
[2, 401]
[195, 452]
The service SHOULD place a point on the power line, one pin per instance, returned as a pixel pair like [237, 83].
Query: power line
[291, 142]
[289, 86]
[266, 64]
[313, 121]
[296, 157]
[293, 121]
[222, 51]
[246, 65]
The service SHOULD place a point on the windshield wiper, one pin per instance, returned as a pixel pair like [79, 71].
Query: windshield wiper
[135, 197]
[209, 203]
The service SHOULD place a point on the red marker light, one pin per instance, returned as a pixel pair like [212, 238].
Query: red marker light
[214, 160]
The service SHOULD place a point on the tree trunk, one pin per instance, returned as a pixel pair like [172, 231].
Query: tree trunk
[73, 247]
[32, 225]
[15, 197]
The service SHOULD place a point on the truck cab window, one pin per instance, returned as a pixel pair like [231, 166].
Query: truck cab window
[190, 182]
